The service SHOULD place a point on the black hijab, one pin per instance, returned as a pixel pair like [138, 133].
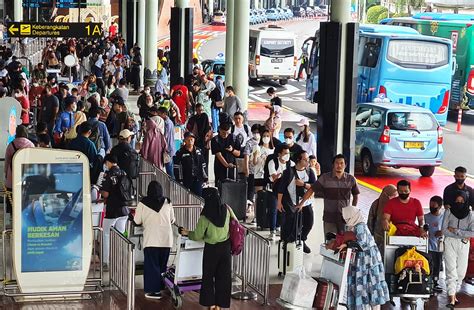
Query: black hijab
[461, 210]
[214, 210]
[154, 198]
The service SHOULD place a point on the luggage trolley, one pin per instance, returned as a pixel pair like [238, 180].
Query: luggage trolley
[391, 244]
[185, 274]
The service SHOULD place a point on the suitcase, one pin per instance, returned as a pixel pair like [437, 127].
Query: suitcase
[234, 194]
[262, 209]
[327, 295]
[290, 254]
[412, 282]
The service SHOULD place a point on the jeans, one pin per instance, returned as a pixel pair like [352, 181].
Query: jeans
[273, 211]
[215, 119]
[169, 169]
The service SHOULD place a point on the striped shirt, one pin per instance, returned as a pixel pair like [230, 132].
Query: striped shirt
[336, 193]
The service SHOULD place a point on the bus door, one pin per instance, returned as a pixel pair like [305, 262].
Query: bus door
[312, 70]
[368, 68]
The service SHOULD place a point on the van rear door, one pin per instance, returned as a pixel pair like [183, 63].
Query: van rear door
[276, 57]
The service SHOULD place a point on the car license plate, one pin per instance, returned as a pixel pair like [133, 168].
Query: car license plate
[414, 145]
[277, 60]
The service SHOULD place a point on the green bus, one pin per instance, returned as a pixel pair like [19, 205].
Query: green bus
[460, 29]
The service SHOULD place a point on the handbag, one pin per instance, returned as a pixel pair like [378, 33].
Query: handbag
[237, 234]
[410, 259]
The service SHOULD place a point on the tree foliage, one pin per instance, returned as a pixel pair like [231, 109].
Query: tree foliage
[374, 12]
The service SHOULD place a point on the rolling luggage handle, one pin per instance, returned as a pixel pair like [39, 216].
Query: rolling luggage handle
[235, 173]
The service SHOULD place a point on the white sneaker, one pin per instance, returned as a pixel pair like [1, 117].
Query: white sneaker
[278, 231]
[153, 295]
[272, 236]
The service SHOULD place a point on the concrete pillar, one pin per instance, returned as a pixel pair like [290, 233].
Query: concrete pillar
[182, 4]
[210, 6]
[282, 4]
[151, 24]
[311, 2]
[341, 12]
[17, 11]
[123, 19]
[241, 55]
[141, 34]
[255, 4]
[229, 43]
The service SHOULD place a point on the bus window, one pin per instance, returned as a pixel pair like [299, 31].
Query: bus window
[252, 47]
[277, 48]
[370, 53]
[418, 54]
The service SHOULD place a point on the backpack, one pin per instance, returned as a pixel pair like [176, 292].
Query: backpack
[124, 187]
[95, 136]
[237, 234]
[129, 161]
[266, 173]
[224, 118]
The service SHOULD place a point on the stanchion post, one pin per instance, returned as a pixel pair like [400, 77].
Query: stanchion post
[458, 127]
[243, 294]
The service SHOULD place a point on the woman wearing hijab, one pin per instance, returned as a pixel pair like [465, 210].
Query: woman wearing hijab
[374, 221]
[213, 229]
[367, 270]
[155, 213]
[154, 143]
[458, 227]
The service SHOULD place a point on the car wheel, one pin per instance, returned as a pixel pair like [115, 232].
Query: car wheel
[368, 166]
[283, 81]
[426, 171]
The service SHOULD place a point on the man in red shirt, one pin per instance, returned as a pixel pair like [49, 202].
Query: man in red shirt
[404, 209]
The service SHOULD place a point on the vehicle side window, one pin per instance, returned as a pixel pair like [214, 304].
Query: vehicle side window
[363, 116]
[205, 67]
[370, 52]
[375, 119]
[252, 47]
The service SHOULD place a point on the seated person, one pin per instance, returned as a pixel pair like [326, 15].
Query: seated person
[402, 211]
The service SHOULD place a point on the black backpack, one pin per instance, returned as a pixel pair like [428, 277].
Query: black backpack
[95, 135]
[129, 161]
[124, 187]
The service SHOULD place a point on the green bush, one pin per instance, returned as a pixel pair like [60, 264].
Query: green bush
[374, 12]
[382, 16]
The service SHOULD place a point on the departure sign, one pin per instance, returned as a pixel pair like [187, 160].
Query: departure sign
[71, 4]
[50, 30]
[36, 3]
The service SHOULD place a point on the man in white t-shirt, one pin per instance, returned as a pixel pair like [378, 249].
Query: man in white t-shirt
[241, 129]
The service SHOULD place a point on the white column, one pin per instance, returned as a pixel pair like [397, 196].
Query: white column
[17, 11]
[241, 55]
[182, 4]
[311, 2]
[123, 19]
[141, 34]
[229, 43]
[135, 14]
[151, 35]
[341, 12]
[255, 4]
[210, 6]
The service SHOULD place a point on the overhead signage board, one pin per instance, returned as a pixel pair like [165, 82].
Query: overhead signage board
[52, 30]
[71, 4]
[33, 4]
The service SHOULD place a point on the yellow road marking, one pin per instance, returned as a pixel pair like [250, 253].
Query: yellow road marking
[372, 187]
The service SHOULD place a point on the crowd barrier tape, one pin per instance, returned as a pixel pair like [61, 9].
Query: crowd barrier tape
[122, 265]
[252, 267]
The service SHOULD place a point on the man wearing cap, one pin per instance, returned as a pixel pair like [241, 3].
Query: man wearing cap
[127, 157]
[192, 165]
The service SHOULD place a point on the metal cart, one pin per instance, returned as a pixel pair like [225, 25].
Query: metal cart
[391, 244]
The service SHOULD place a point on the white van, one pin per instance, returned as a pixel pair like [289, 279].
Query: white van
[272, 54]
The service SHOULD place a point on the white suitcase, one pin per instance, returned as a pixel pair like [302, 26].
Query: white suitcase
[290, 256]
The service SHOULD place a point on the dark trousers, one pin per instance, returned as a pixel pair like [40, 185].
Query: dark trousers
[194, 186]
[437, 261]
[216, 275]
[273, 214]
[156, 260]
[308, 221]
[251, 187]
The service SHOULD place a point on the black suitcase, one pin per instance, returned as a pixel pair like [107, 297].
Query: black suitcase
[262, 209]
[234, 194]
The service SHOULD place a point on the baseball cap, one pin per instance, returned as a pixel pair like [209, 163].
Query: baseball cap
[189, 134]
[303, 122]
[125, 133]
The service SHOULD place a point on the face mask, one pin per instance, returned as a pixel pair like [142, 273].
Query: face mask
[266, 140]
[433, 210]
[288, 140]
[256, 136]
[146, 92]
[286, 157]
[458, 204]
[459, 181]
[403, 196]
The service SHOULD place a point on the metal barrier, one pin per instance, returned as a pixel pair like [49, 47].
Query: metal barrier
[187, 216]
[179, 195]
[122, 265]
[252, 267]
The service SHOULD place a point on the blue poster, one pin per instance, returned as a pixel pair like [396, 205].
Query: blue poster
[52, 206]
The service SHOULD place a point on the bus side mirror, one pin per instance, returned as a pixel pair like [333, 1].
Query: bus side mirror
[455, 65]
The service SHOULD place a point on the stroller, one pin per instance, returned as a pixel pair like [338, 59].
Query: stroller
[409, 286]
[185, 274]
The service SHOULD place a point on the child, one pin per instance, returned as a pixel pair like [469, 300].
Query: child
[314, 165]
[435, 220]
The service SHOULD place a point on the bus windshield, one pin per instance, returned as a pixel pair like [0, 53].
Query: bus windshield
[418, 54]
[277, 48]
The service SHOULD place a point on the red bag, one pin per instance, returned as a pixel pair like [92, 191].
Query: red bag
[237, 234]
[326, 295]
[407, 229]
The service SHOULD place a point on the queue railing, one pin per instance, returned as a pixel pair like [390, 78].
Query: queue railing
[252, 267]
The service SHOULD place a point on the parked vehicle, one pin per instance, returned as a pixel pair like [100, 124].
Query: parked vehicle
[299, 12]
[214, 67]
[310, 12]
[397, 135]
[252, 18]
[400, 63]
[273, 14]
[282, 13]
[272, 54]
[218, 18]
[289, 13]
[458, 28]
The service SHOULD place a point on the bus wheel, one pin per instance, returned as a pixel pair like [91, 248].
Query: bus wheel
[368, 166]
[283, 81]
[426, 171]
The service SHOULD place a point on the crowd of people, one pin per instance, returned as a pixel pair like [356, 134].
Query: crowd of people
[93, 115]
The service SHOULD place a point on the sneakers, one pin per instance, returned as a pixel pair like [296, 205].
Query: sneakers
[306, 248]
[153, 295]
[278, 231]
[272, 236]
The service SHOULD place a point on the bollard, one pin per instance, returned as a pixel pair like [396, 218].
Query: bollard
[458, 127]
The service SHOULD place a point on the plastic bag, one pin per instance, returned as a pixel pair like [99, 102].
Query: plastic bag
[411, 259]
[392, 230]
[298, 288]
